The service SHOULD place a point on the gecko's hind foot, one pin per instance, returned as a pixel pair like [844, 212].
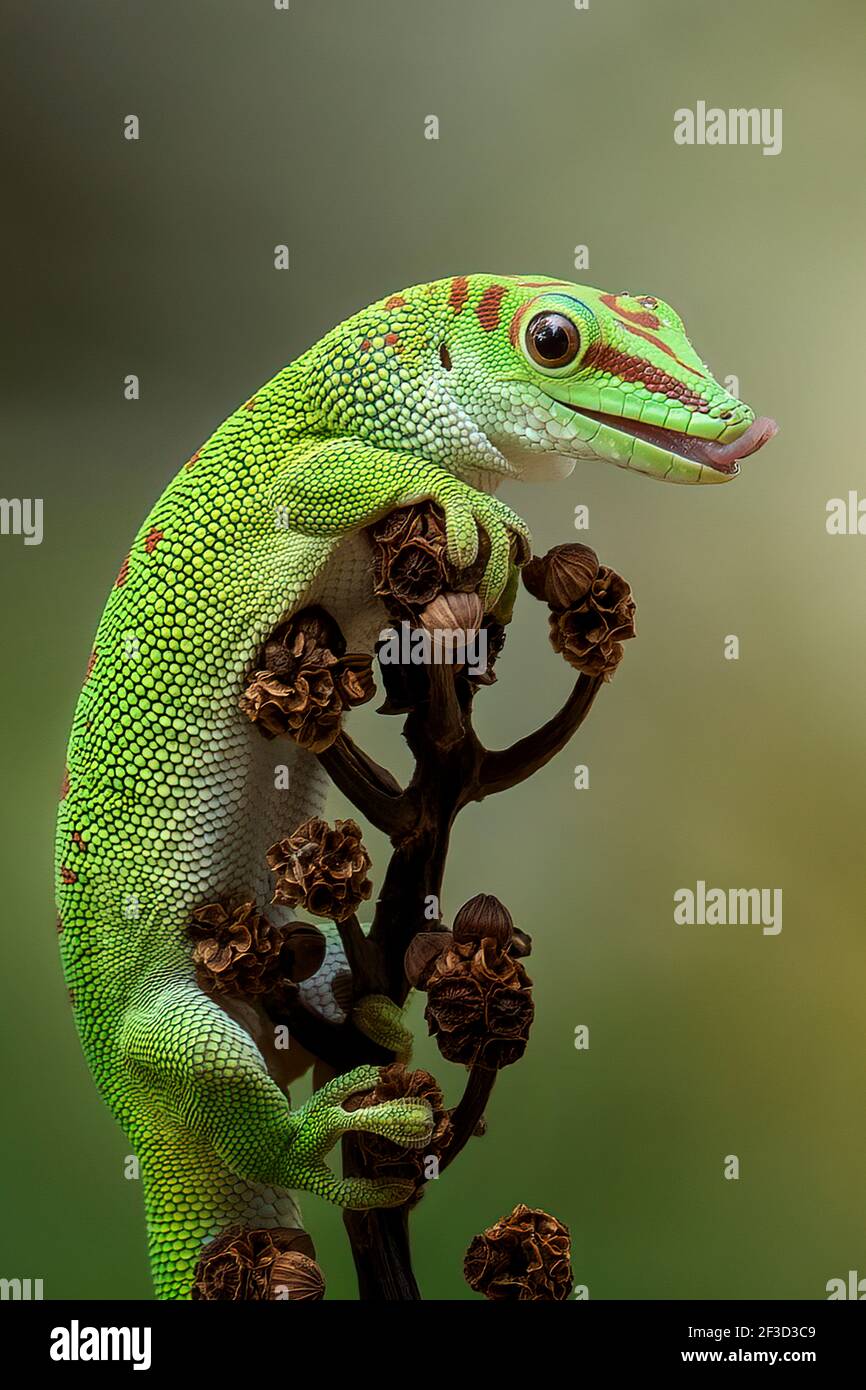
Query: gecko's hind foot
[319, 1124]
[381, 1020]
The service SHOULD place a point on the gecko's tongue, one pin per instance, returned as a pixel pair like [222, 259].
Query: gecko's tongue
[722, 457]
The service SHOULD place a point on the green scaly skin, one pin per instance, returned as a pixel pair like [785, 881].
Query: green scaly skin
[169, 800]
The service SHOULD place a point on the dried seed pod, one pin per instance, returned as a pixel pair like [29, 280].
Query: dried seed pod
[410, 559]
[322, 868]
[238, 1264]
[483, 916]
[524, 1256]
[238, 951]
[479, 1005]
[521, 943]
[451, 612]
[306, 680]
[590, 634]
[421, 954]
[563, 576]
[296, 1277]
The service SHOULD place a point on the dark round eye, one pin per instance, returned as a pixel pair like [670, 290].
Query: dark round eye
[552, 340]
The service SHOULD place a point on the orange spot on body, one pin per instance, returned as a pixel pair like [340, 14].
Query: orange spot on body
[122, 574]
[488, 308]
[79, 842]
[91, 662]
[67, 875]
[64, 785]
[459, 293]
[250, 404]
[395, 302]
[391, 339]
[191, 462]
[152, 539]
[366, 345]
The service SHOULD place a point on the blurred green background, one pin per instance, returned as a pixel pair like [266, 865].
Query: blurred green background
[307, 128]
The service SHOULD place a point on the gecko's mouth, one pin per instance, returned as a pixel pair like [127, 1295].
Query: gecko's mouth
[721, 457]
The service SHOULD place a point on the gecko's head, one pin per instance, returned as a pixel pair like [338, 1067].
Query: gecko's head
[554, 372]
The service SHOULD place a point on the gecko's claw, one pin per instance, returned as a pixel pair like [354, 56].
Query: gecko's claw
[380, 1019]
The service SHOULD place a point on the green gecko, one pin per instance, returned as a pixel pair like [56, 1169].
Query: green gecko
[440, 392]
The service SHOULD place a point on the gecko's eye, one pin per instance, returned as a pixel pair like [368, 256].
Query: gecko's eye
[552, 340]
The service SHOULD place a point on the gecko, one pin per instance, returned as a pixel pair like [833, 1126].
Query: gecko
[441, 392]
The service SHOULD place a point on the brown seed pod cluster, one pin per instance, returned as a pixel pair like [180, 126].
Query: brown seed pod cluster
[238, 951]
[524, 1256]
[379, 1157]
[244, 1264]
[410, 560]
[322, 868]
[479, 996]
[591, 607]
[305, 680]
[418, 584]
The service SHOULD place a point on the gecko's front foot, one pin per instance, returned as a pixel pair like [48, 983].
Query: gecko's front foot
[317, 1125]
[467, 510]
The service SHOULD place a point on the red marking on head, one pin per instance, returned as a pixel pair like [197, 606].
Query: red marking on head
[517, 318]
[79, 841]
[663, 347]
[622, 364]
[459, 293]
[67, 875]
[122, 574]
[489, 306]
[395, 302]
[391, 339]
[65, 784]
[640, 316]
[91, 662]
[541, 284]
[152, 539]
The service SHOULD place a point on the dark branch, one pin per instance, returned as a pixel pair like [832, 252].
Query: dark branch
[509, 766]
[380, 1249]
[445, 723]
[368, 976]
[371, 788]
[465, 1118]
[339, 1045]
